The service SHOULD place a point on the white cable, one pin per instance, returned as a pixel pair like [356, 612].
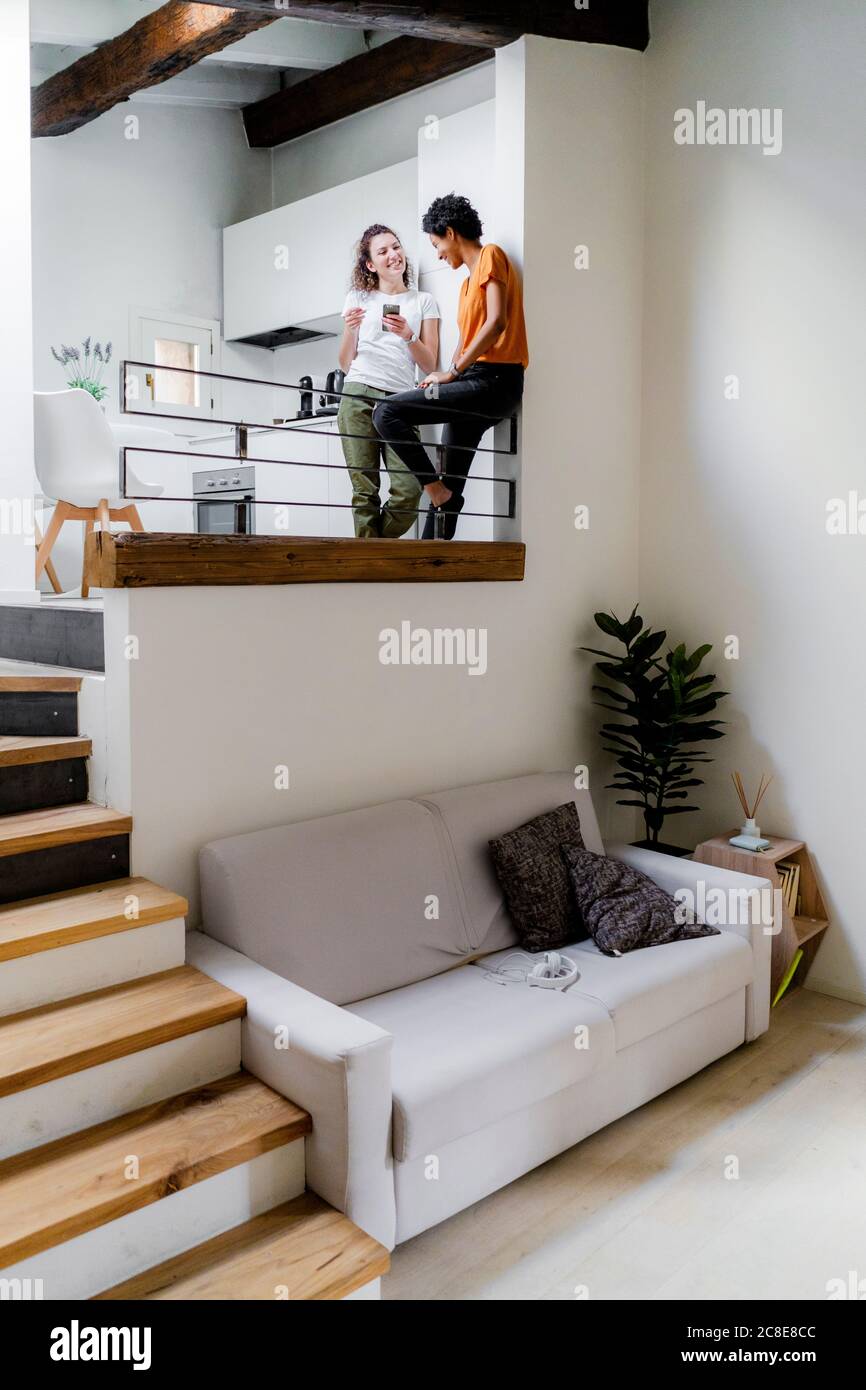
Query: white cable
[552, 971]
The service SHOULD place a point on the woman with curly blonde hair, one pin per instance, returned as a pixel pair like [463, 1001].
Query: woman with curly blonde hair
[391, 329]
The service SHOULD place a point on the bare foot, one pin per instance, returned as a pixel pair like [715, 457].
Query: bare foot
[438, 493]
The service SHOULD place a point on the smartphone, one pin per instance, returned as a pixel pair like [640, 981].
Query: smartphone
[390, 309]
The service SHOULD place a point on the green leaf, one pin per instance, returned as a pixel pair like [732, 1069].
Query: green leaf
[610, 624]
[697, 657]
[633, 626]
[648, 644]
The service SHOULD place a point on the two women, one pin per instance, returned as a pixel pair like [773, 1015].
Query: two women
[391, 329]
[484, 382]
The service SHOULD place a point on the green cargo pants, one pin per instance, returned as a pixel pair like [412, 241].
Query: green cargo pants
[363, 459]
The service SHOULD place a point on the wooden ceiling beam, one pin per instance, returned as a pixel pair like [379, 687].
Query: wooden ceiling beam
[366, 80]
[488, 23]
[157, 47]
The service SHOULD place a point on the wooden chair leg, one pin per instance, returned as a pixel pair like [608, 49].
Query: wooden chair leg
[43, 551]
[130, 515]
[49, 564]
[88, 527]
[102, 514]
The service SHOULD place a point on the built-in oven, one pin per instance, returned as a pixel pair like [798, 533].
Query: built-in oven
[225, 501]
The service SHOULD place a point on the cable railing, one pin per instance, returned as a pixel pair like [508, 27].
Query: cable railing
[130, 395]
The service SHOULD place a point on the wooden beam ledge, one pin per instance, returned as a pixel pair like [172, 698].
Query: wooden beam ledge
[366, 80]
[137, 560]
[158, 46]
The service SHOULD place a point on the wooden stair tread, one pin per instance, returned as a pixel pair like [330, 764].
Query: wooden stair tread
[62, 919]
[56, 684]
[304, 1248]
[55, 1040]
[60, 825]
[60, 1190]
[17, 751]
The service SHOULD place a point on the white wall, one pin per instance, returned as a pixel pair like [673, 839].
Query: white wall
[232, 682]
[120, 223]
[16, 368]
[374, 139]
[756, 266]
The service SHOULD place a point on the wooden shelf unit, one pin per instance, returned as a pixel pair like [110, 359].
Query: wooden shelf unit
[803, 930]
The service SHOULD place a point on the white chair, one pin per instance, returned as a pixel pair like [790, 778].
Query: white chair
[78, 465]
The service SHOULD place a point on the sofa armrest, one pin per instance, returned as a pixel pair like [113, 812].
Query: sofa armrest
[732, 902]
[333, 1063]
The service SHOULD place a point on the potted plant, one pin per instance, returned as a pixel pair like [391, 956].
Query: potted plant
[84, 366]
[662, 704]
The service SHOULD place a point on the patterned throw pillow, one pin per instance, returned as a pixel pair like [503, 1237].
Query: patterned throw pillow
[535, 881]
[622, 909]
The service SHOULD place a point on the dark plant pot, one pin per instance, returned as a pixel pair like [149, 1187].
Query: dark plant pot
[676, 850]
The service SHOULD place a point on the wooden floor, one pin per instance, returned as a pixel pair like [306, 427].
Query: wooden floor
[643, 1210]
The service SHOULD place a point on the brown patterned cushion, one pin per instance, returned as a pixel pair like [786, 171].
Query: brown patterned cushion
[535, 881]
[622, 909]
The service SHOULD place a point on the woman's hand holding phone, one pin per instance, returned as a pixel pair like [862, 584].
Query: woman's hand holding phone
[395, 323]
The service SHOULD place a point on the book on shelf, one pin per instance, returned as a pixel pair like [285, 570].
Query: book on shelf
[788, 975]
[789, 883]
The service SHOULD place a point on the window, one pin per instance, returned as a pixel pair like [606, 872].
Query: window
[182, 346]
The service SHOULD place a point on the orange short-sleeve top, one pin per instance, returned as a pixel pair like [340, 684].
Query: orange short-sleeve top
[511, 345]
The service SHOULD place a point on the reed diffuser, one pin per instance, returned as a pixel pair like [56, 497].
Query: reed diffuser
[750, 832]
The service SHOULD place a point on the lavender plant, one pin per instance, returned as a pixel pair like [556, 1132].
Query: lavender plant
[84, 366]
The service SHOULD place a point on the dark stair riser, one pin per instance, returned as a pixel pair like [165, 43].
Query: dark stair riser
[35, 786]
[62, 868]
[68, 637]
[40, 713]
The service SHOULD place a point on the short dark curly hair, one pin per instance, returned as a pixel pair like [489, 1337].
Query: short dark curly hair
[452, 211]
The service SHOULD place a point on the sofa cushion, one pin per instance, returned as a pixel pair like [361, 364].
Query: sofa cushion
[645, 991]
[469, 1051]
[531, 866]
[621, 909]
[472, 816]
[345, 906]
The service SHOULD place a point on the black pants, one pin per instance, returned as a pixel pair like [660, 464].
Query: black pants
[486, 393]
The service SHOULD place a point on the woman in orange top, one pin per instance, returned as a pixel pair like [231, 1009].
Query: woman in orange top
[484, 382]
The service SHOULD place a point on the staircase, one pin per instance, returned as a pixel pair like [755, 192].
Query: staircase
[138, 1160]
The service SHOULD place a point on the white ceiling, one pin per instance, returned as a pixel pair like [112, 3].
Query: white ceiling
[283, 52]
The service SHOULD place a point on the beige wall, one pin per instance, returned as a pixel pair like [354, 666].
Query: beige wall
[755, 266]
[229, 683]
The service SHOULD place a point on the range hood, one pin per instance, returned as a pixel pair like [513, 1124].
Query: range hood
[292, 334]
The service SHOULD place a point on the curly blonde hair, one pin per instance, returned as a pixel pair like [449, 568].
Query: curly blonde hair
[363, 278]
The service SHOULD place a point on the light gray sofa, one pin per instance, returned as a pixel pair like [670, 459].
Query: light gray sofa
[430, 1085]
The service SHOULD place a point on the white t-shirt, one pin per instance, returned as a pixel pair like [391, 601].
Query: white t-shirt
[383, 359]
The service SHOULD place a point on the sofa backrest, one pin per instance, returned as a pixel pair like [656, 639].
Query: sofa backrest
[474, 815]
[352, 905]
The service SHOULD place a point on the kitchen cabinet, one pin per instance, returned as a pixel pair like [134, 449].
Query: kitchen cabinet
[291, 266]
[282, 481]
[319, 499]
